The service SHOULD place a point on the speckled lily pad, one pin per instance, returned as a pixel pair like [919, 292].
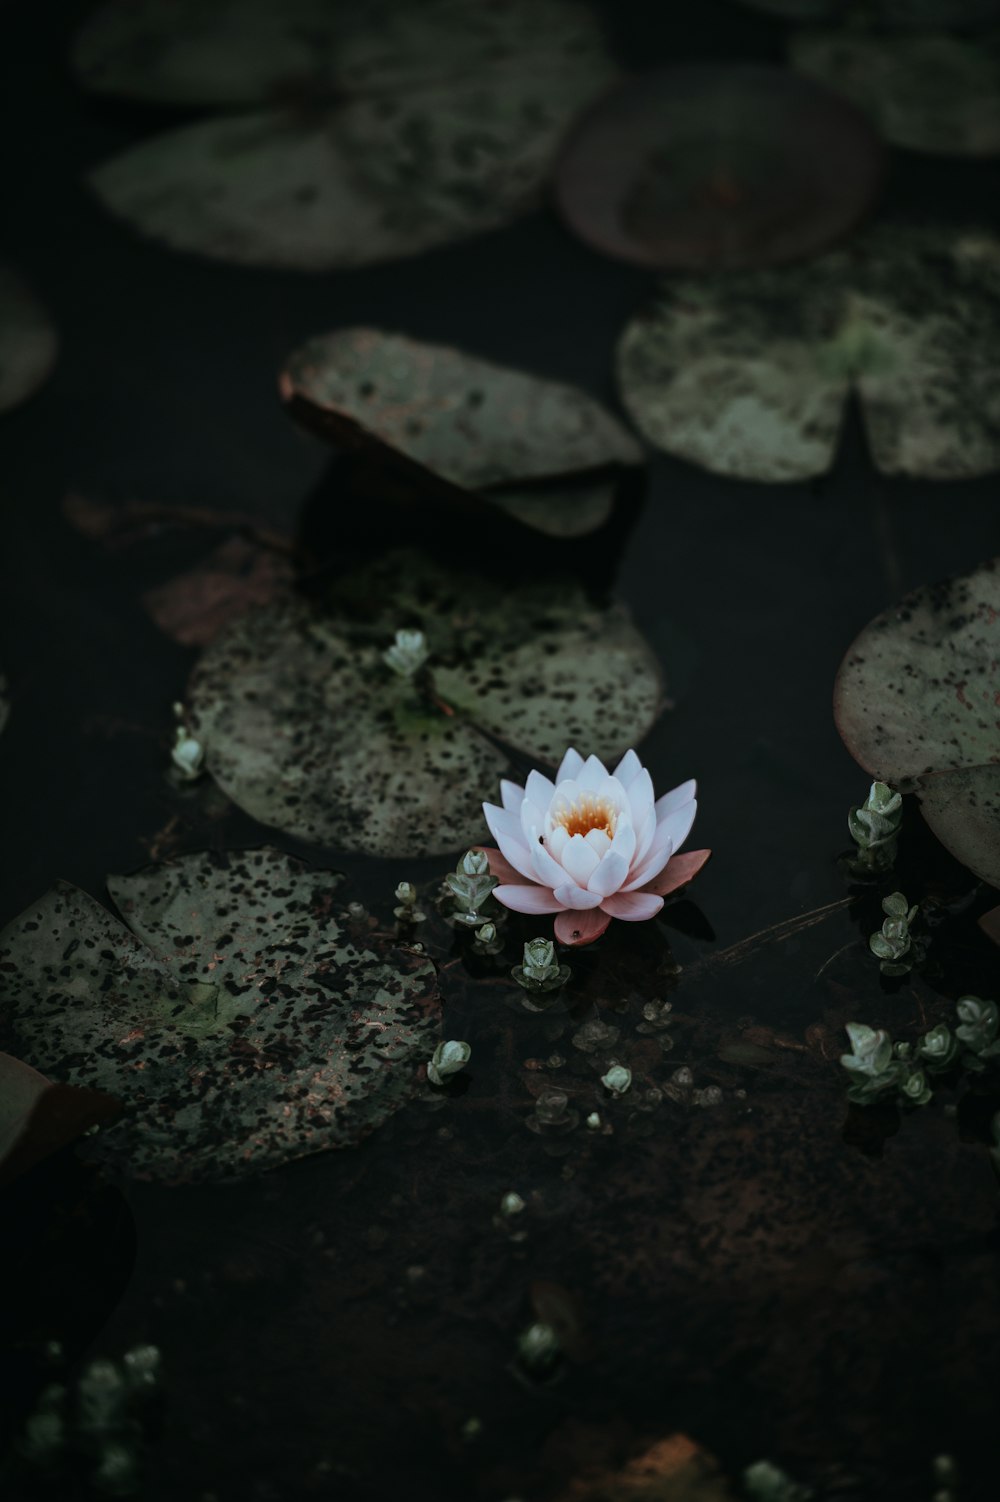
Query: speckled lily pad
[27, 341]
[917, 702]
[749, 374]
[235, 1017]
[460, 419]
[379, 134]
[930, 92]
[712, 166]
[310, 731]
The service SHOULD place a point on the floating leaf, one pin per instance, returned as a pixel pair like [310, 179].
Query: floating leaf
[714, 166]
[933, 93]
[38, 1118]
[749, 374]
[193, 607]
[307, 729]
[377, 136]
[917, 702]
[237, 1020]
[462, 420]
[27, 341]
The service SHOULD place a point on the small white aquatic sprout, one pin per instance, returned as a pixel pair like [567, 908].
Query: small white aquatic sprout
[511, 1204]
[187, 754]
[407, 910]
[407, 654]
[618, 1079]
[594, 1121]
[448, 1059]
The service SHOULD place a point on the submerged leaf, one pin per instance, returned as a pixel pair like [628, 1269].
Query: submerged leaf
[193, 607]
[379, 133]
[38, 1117]
[238, 1022]
[932, 93]
[712, 166]
[917, 701]
[307, 729]
[749, 374]
[27, 341]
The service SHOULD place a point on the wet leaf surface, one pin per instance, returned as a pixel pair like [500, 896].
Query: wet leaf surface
[933, 93]
[307, 728]
[238, 1018]
[749, 374]
[38, 1117]
[383, 134]
[916, 702]
[717, 166]
[28, 341]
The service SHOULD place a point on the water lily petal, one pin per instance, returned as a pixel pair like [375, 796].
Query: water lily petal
[569, 766]
[598, 841]
[660, 850]
[533, 899]
[593, 774]
[539, 789]
[532, 821]
[623, 843]
[610, 875]
[511, 796]
[556, 841]
[581, 927]
[640, 796]
[500, 866]
[579, 860]
[678, 822]
[506, 830]
[630, 766]
[676, 798]
[570, 895]
[545, 868]
[633, 907]
[644, 835]
[678, 872]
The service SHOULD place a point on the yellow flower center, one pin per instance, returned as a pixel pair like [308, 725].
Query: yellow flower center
[588, 813]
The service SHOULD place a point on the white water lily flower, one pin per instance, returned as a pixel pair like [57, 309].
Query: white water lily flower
[591, 846]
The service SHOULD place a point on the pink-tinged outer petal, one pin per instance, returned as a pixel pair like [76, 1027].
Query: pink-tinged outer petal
[500, 866]
[640, 796]
[633, 907]
[676, 798]
[580, 927]
[610, 874]
[570, 895]
[502, 827]
[630, 766]
[546, 870]
[653, 862]
[511, 796]
[678, 871]
[678, 823]
[522, 899]
[569, 766]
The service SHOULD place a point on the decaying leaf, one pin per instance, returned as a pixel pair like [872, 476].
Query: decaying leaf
[378, 133]
[930, 92]
[917, 702]
[715, 166]
[237, 1019]
[461, 420]
[193, 607]
[308, 729]
[749, 374]
[27, 341]
[671, 1470]
[38, 1117]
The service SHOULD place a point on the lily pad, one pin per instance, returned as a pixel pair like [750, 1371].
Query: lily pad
[933, 93]
[309, 730]
[712, 166]
[749, 374]
[377, 136]
[27, 341]
[459, 419]
[238, 1020]
[38, 1117]
[917, 702]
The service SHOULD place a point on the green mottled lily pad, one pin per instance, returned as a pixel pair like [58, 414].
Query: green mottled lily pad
[308, 729]
[379, 133]
[238, 1020]
[917, 702]
[749, 374]
[931, 93]
[38, 1117]
[460, 419]
[27, 341]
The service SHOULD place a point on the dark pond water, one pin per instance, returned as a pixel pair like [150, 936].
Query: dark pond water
[771, 1274]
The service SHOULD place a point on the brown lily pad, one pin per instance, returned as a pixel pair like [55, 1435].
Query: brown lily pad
[721, 166]
[239, 574]
[929, 92]
[917, 702]
[38, 1117]
[28, 341]
[748, 374]
[237, 1017]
